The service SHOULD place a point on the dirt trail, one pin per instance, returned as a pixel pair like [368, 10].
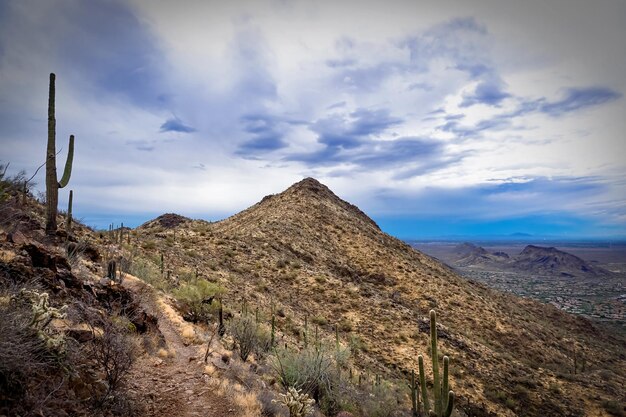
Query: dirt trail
[173, 386]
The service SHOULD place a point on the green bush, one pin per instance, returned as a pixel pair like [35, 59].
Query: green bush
[148, 272]
[250, 336]
[314, 370]
[382, 401]
[196, 298]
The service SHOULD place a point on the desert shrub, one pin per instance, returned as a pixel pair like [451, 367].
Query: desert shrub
[196, 298]
[12, 189]
[319, 320]
[23, 354]
[264, 341]
[32, 368]
[269, 408]
[112, 352]
[614, 408]
[381, 402]
[315, 371]
[249, 336]
[148, 272]
[149, 245]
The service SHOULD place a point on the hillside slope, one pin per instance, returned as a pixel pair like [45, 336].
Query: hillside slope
[308, 253]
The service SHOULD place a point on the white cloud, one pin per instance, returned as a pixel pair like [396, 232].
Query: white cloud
[207, 65]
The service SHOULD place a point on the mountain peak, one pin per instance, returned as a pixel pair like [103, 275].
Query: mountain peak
[309, 182]
[311, 186]
[306, 204]
[167, 221]
[540, 249]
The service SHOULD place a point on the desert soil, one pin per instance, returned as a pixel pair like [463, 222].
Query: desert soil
[173, 386]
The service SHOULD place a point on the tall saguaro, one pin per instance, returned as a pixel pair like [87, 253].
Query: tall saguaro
[52, 184]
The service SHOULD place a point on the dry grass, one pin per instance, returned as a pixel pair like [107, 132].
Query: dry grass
[248, 403]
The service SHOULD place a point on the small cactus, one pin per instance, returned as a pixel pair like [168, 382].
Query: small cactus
[43, 314]
[299, 404]
[415, 399]
[221, 330]
[72, 249]
[111, 269]
[443, 398]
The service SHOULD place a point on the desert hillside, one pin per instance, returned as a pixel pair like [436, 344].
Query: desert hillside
[310, 254]
[318, 265]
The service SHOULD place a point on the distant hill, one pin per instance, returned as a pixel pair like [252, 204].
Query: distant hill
[552, 261]
[533, 260]
[167, 221]
[307, 253]
[468, 254]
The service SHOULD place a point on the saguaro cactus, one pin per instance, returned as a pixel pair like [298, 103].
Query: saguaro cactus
[68, 219]
[443, 398]
[52, 183]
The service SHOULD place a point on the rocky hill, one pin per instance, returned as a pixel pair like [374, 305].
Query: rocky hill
[468, 254]
[552, 261]
[532, 260]
[307, 253]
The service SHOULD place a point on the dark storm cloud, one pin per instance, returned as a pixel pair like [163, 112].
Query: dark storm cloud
[267, 133]
[516, 196]
[579, 98]
[106, 42]
[574, 100]
[489, 92]
[176, 125]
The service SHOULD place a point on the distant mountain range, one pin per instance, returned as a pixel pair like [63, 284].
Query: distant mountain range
[535, 260]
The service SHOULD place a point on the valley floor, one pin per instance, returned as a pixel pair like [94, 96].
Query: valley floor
[602, 300]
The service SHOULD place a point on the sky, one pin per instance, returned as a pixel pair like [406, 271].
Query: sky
[436, 118]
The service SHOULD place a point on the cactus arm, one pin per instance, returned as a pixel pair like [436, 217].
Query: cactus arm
[435, 359]
[420, 361]
[450, 406]
[444, 387]
[67, 172]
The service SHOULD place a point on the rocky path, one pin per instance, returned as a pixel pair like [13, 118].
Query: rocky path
[174, 385]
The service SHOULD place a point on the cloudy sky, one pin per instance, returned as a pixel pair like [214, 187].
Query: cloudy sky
[435, 117]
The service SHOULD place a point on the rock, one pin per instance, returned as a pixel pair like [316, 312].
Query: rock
[17, 238]
[91, 252]
[219, 363]
[41, 257]
[80, 335]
